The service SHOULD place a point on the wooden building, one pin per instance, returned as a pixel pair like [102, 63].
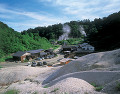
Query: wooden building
[20, 56]
[35, 53]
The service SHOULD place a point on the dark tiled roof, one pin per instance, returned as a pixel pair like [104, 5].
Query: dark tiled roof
[19, 53]
[35, 51]
[42, 53]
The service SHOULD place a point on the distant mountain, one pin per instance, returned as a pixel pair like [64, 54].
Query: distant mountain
[12, 41]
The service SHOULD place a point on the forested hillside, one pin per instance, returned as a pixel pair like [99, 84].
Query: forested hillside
[50, 32]
[54, 31]
[108, 35]
[103, 33]
[12, 41]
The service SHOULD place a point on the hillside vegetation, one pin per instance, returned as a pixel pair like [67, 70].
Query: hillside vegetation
[103, 33]
[12, 41]
[71, 41]
[54, 31]
[108, 35]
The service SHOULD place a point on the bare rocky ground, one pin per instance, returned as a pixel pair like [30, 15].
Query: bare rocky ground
[102, 69]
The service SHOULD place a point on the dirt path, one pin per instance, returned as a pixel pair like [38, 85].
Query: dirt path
[57, 50]
[11, 64]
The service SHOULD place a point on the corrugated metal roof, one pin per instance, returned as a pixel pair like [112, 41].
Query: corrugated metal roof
[35, 51]
[43, 53]
[19, 54]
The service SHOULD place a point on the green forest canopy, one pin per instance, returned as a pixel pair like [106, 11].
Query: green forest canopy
[12, 41]
[102, 33]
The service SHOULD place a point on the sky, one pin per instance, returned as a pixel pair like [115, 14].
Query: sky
[24, 14]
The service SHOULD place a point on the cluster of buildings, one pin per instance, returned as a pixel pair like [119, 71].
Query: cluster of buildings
[70, 52]
[73, 52]
[84, 48]
[32, 54]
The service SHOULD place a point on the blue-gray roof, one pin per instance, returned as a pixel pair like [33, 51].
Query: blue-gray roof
[43, 53]
[35, 51]
[19, 53]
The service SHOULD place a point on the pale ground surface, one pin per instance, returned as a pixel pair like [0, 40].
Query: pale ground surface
[74, 78]
[89, 62]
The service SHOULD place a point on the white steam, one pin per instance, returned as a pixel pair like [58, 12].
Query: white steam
[82, 31]
[66, 30]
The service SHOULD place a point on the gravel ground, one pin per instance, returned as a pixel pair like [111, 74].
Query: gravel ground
[74, 78]
[15, 74]
[99, 78]
[66, 86]
[11, 64]
[111, 88]
[88, 62]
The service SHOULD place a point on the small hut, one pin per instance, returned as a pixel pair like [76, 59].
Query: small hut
[20, 56]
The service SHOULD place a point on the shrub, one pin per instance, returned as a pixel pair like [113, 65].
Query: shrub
[93, 84]
[45, 86]
[55, 90]
[118, 86]
[35, 93]
[1, 67]
[12, 92]
[72, 41]
[3, 59]
[56, 46]
[97, 88]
